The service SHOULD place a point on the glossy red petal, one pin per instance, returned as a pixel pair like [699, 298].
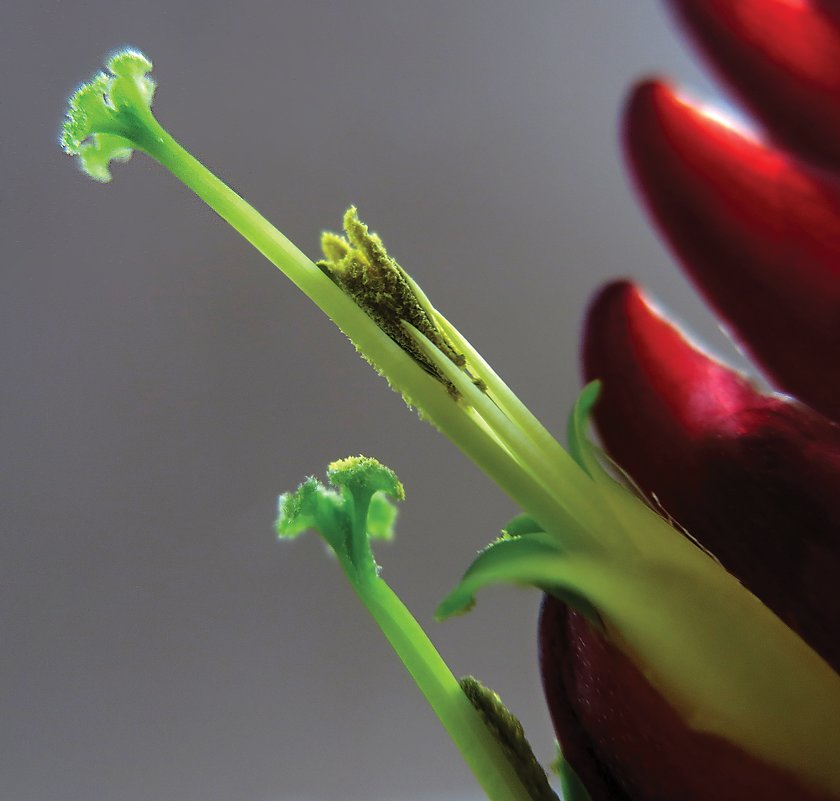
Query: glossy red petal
[557, 661]
[755, 478]
[618, 732]
[782, 59]
[758, 233]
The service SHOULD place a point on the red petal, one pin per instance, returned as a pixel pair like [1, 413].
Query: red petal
[556, 663]
[782, 59]
[758, 232]
[616, 730]
[755, 478]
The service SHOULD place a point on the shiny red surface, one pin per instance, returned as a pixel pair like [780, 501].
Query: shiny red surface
[781, 58]
[758, 232]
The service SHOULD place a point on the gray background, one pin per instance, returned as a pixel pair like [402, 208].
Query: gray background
[161, 382]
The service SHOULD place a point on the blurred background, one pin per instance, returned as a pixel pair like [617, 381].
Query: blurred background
[162, 383]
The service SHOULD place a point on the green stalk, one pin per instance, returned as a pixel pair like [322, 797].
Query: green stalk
[502, 465]
[477, 746]
[289, 259]
[520, 415]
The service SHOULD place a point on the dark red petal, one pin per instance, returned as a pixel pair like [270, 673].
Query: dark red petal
[782, 59]
[755, 478]
[758, 233]
[556, 661]
[614, 725]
